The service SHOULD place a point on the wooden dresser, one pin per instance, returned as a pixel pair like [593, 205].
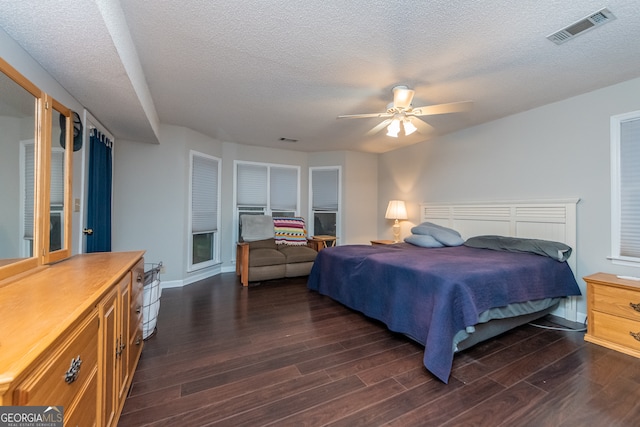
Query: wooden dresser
[613, 313]
[71, 336]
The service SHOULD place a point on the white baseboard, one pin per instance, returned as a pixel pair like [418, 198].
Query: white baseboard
[195, 277]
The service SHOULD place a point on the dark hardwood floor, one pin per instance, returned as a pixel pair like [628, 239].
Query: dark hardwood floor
[278, 354]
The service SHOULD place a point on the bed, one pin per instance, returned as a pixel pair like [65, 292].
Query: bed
[451, 298]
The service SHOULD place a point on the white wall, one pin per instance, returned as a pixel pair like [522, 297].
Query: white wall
[150, 196]
[359, 196]
[556, 151]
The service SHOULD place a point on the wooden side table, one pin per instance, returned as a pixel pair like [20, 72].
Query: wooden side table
[382, 242]
[613, 310]
[324, 241]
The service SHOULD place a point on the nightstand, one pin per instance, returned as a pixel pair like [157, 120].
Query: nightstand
[383, 242]
[324, 241]
[613, 313]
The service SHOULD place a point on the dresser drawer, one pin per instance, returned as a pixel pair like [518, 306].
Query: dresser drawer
[84, 413]
[616, 301]
[49, 384]
[616, 330]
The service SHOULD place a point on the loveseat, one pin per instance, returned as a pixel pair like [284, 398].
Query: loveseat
[274, 248]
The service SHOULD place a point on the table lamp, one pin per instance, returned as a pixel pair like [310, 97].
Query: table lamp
[396, 210]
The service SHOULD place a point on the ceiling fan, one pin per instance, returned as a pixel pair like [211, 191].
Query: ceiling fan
[401, 114]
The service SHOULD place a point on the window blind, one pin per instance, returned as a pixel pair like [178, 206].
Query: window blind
[324, 185]
[284, 189]
[251, 185]
[56, 199]
[630, 188]
[29, 184]
[204, 194]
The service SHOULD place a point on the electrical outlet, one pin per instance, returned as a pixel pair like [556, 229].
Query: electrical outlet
[76, 205]
[162, 269]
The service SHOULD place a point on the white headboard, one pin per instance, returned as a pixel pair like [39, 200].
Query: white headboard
[539, 219]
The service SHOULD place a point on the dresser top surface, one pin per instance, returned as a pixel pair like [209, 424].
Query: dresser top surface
[612, 280]
[39, 308]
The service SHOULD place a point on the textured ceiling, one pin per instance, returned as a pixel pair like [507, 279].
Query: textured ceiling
[255, 71]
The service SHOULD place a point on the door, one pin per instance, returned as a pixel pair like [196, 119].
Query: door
[98, 191]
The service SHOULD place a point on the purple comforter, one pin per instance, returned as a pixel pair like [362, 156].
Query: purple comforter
[430, 294]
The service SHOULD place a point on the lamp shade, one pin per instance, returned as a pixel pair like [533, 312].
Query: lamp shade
[409, 128]
[394, 128]
[396, 210]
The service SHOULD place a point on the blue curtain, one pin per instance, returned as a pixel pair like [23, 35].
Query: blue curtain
[99, 197]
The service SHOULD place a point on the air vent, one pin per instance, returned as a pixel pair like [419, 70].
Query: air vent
[590, 22]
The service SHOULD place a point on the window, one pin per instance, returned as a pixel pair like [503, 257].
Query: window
[625, 191]
[266, 189]
[325, 200]
[204, 195]
[56, 201]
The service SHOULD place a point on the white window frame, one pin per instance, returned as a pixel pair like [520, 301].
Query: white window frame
[616, 191]
[338, 212]
[216, 233]
[264, 210]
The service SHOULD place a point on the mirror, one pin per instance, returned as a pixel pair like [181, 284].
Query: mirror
[18, 113]
[35, 176]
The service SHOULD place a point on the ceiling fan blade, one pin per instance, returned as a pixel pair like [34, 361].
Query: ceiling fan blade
[423, 127]
[364, 116]
[453, 107]
[402, 97]
[379, 127]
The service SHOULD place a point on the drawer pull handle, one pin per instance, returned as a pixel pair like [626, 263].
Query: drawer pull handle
[138, 341]
[139, 278]
[120, 346]
[636, 307]
[138, 309]
[72, 374]
[635, 335]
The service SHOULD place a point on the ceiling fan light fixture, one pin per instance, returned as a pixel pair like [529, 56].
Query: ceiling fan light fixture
[402, 97]
[394, 128]
[409, 128]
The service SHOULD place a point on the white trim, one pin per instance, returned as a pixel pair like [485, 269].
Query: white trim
[537, 219]
[310, 200]
[193, 278]
[615, 124]
[627, 261]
